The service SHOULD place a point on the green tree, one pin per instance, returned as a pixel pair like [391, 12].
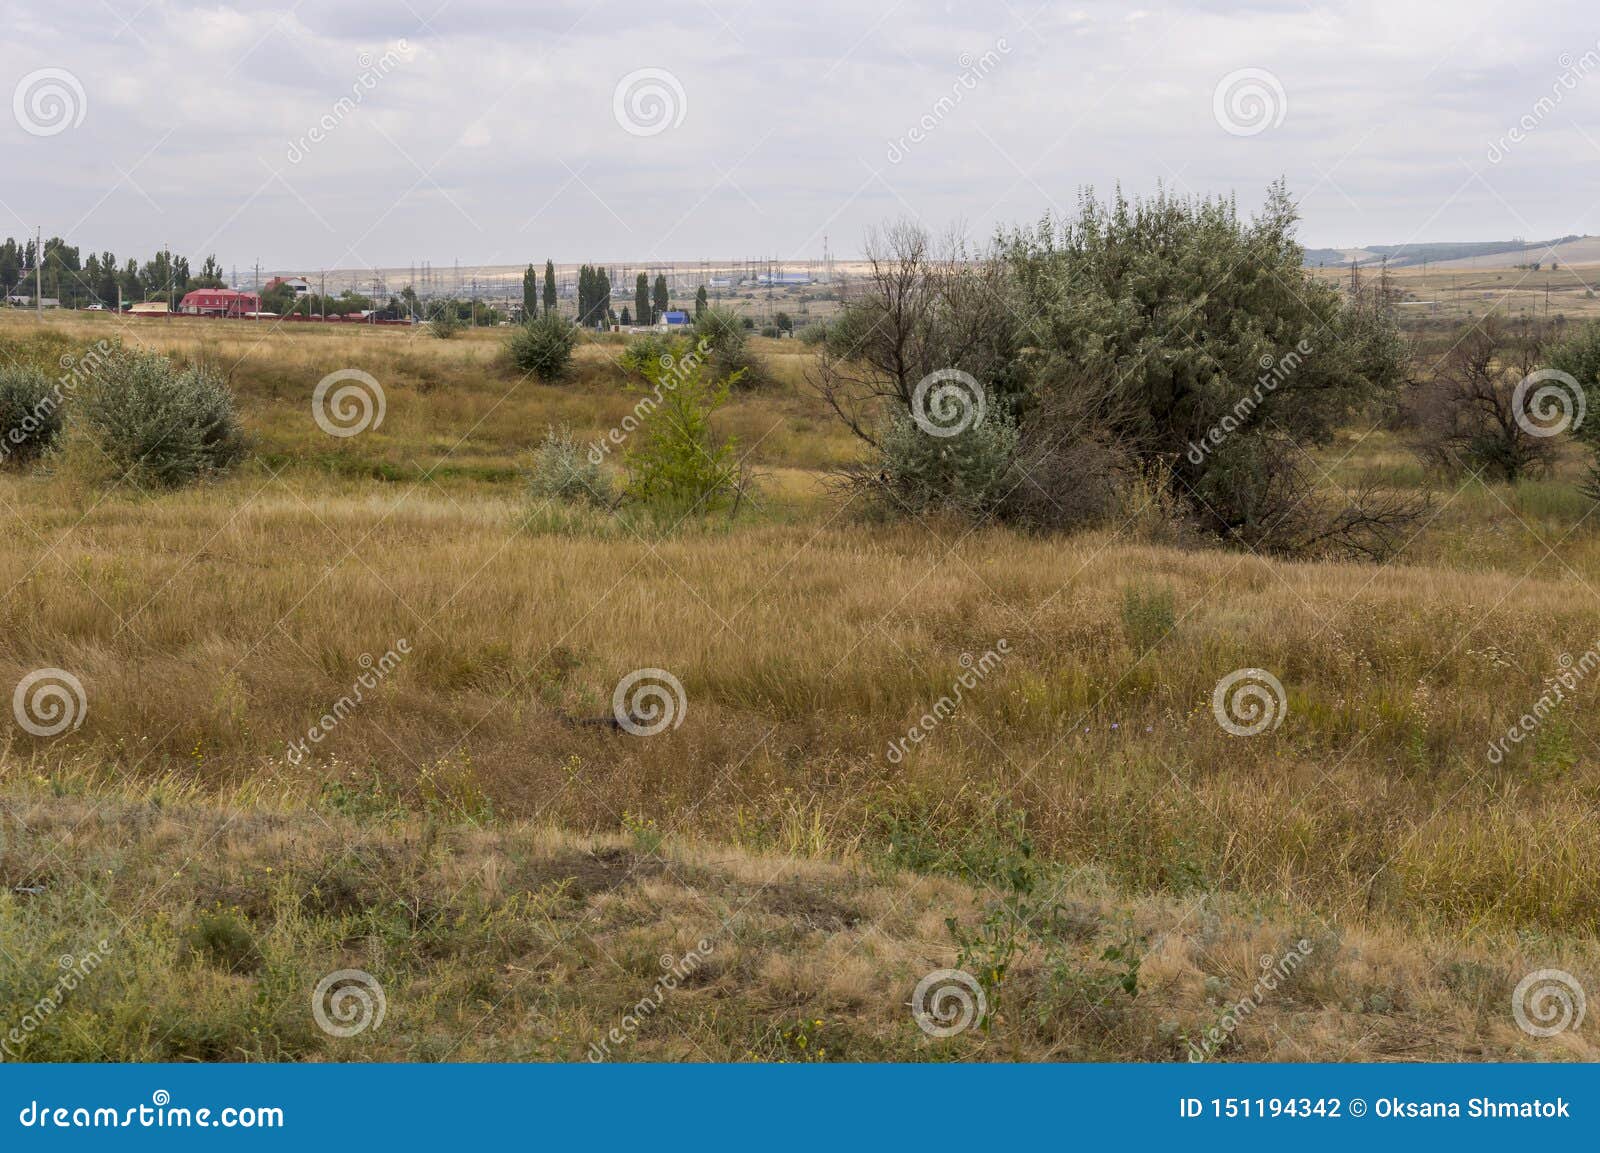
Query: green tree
[641, 299]
[627, 318]
[659, 300]
[677, 465]
[1579, 356]
[701, 303]
[105, 289]
[549, 286]
[530, 294]
[1205, 348]
[210, 275]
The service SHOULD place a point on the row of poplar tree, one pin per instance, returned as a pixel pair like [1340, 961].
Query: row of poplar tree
[594, 297]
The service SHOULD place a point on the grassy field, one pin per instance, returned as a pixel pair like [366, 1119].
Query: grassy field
[1452, 294]
[514, 879]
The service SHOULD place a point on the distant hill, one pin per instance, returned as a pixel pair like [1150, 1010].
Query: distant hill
[1505, 252]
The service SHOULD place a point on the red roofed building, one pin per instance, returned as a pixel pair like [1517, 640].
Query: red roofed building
[219, 302]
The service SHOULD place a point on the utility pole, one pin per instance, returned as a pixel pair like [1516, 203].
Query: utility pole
[38, 271]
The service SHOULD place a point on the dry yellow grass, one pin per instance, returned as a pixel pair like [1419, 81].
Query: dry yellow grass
[522, 942]
[212, 628]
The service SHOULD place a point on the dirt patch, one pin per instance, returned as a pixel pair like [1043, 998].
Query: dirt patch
[799, 903]
[586, 874]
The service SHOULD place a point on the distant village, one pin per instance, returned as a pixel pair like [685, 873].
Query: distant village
[601, 297]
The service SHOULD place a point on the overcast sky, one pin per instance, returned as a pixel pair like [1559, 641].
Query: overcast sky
[311, 134]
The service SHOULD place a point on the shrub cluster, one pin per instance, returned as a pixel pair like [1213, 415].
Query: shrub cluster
[543, 347]
[1165, 338]
[562, 470]
[159, 424]
[30, 416]
[730, 358]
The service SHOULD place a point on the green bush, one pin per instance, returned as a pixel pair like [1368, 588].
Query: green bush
[561, 470]
[723, 334]
[30, 416]
[648, 351]
[543, 347]
[1579, 355]
[966, 473]
[163, 425]
[677, 465]
[444, 319]
[1147, 616]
